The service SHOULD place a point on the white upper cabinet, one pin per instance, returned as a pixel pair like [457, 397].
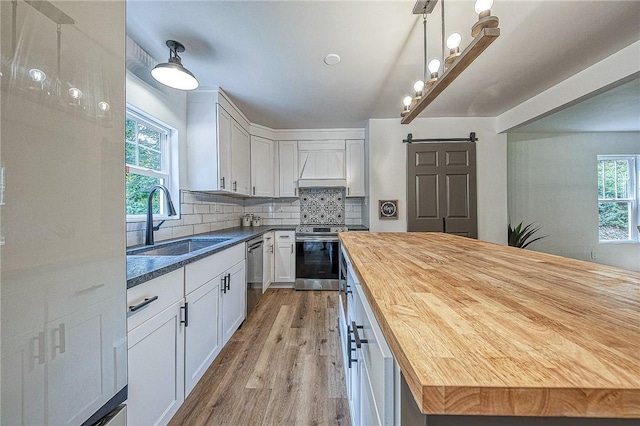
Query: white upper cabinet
[288, 168]
[262, 166]
[217, 144]
[321, 159]
[355, 168]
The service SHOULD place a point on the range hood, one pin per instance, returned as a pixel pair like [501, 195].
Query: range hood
[322, 183]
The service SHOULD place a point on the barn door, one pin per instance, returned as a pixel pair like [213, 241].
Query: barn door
[441, 188]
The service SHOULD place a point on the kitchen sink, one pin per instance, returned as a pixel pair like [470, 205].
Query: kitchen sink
[177, 248]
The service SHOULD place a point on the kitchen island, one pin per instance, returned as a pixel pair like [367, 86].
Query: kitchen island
[479, 329]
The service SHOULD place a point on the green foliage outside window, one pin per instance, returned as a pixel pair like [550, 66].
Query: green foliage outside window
[615, 194]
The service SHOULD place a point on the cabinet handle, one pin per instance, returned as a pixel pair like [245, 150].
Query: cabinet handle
[186, 314]
[40, 339]
[271, 248]
[284, 236]
[348, 190]
[141, 305]
[235, 185]
[222, 180]
[349, 347]
[88, 289]
[295, 191]
[228, 282]
[61, 346]
[356, 336]
[223, 283]
[254, 190]
[291, 248]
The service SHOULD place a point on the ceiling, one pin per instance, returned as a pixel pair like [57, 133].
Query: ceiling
[614, 110]
[268, 55]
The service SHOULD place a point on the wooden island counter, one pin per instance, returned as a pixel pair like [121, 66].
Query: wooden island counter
[483, 329]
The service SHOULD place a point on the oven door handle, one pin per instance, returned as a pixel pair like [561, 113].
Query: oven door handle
[317, 239]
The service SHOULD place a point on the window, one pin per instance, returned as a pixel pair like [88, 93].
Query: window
[617, 198]
[147, 161]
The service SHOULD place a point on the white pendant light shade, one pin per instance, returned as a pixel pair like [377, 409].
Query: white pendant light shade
[454, 40]
[434, 66]
[172, 73]
[483, 5]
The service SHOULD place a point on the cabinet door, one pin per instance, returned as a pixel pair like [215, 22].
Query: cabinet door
[82, 362]
[156, 368]
[234, 301]
[355, 168]
[288, 168]
[23, 378]
[224, 149]
[267, 261]
[261, 167]
[240, 163]
[202, 332]
[285, 262]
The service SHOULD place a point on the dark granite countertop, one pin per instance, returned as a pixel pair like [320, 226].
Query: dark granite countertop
[144, 268]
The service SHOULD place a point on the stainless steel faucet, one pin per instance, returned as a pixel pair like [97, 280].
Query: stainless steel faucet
[148, 240]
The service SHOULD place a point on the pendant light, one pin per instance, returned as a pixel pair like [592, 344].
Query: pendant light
[172, 73]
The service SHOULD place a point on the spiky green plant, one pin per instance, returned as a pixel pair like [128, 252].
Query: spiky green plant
[520, 236]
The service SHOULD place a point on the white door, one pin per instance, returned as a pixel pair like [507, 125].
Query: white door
[224, 149]
[81, 364]
[288, 168]
[156, 368]
[202, 331]
[234, 301]
[261, 167]
[355, 168]
[240, 163]
[285, 262]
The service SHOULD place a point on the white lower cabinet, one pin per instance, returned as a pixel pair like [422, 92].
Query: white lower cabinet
[233, 305]
[156, 368]
[202, 337]
[285, 256]
[369, 364]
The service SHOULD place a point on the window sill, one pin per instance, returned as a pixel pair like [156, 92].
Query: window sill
[618, 242]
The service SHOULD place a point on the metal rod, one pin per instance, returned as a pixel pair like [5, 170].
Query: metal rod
[59, 38]
[424, 33]
[471, 138]
[443, 33]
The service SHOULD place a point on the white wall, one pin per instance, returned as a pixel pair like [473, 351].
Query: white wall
[388, 169]
[552, 180]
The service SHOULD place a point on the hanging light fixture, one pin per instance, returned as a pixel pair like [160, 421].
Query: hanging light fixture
[172, 73]
[484, 32]
[407, 105]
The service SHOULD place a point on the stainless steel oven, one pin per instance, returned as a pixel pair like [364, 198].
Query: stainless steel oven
[317, 258]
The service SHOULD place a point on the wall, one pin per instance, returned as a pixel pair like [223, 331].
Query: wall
[388, 169]
[552, 180]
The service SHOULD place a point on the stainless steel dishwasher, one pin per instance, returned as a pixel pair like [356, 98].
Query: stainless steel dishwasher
[254, 273]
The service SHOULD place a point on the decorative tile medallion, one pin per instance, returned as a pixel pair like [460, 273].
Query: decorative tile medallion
[322, 206]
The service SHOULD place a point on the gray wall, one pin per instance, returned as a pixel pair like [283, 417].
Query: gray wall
[552, 180]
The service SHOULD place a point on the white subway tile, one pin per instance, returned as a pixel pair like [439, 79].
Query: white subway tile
[192, 219]
[201, 208]
[201, 228]
[182, 231]
[186, 208]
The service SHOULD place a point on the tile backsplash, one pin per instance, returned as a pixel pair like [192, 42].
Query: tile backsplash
[200, 213]
[322, 206]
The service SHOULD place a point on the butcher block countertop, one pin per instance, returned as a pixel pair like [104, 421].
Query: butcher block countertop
[483, 329]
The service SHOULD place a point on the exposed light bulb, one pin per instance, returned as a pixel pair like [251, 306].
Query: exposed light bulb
[483, 6]
[453, 42]
[37, 75]
[75, 93]
[104, 106]
[434, 66]
[418, 86]
[407, 101]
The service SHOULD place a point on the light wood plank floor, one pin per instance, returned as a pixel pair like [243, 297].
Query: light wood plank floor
[283, 366]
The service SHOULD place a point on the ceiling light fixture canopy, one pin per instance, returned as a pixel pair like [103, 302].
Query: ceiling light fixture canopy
[172, 73]
[484, 32]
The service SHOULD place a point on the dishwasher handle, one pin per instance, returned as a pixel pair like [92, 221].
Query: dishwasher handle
[254, 246]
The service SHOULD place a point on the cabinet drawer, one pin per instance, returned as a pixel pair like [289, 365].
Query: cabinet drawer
[377, 358]
[202, 271]
[167, 289]
[285, 236]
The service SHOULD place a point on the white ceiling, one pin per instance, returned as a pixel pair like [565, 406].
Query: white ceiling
[268, 55]
[615, 110]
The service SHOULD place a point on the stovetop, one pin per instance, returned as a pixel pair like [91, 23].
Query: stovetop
[320, 229]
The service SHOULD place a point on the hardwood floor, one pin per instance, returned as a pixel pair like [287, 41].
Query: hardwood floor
[283, 366]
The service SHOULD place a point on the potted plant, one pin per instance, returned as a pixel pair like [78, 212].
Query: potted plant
[520, 236]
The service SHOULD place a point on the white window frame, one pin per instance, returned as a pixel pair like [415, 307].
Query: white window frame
[165, 173]
[634, 196]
